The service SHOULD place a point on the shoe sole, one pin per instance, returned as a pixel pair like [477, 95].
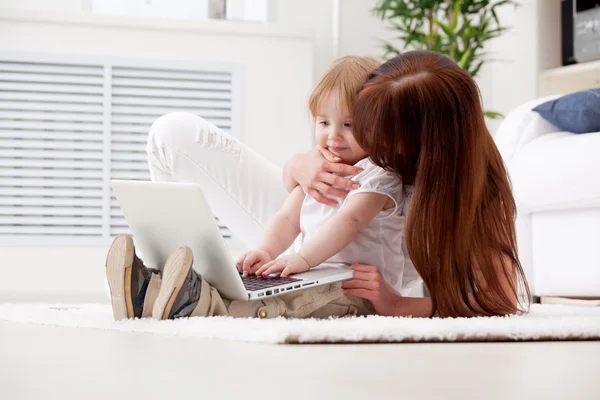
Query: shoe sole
[119, 267]
[176, 269]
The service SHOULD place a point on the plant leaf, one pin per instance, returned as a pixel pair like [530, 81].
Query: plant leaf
[455, 15]
[465, 58]
[447, 29]
[460, 29]
[493, 114]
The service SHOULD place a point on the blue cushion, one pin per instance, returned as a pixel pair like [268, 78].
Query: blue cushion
[578, 112]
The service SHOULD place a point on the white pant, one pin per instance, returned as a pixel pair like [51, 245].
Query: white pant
[243, 189]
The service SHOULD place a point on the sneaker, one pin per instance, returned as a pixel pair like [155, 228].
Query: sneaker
[180, 288]
[128, 278]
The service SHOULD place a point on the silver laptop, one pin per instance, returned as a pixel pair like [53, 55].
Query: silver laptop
[164, 216]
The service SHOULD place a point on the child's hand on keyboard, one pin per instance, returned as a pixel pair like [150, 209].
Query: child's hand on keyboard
[251, 261]
[289, 264]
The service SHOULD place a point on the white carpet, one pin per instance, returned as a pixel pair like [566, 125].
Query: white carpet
[544, 322]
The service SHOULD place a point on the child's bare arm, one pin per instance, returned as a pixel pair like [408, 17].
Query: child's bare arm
[279, 234]
[284, 227]
[336, 234]
[343, 227]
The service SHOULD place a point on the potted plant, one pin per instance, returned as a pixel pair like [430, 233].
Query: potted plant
[457, 28]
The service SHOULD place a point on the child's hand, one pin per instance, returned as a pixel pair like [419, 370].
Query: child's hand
[251, 261]
[290, 264]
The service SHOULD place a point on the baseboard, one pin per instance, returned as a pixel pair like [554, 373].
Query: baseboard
[67, 297]
[580, 301]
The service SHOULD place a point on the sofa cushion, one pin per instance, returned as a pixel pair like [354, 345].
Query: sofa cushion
[521, 126]
[578, 112]
[557, 171]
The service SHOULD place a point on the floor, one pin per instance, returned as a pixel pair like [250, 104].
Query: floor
[62, 363]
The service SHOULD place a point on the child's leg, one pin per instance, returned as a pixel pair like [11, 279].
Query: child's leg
[319, 302]
[184, 293]
[132, 286]
[243, 189]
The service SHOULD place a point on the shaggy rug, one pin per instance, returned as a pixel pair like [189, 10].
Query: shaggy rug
[544, 322]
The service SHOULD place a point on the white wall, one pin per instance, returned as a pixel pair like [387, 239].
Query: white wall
[511, 79]
[281, 61]
[54, 5]
[361, 32]
[313, 18]
[507, 81]
[278, 71]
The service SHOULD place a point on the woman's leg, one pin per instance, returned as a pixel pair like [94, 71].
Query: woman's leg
[243, 189]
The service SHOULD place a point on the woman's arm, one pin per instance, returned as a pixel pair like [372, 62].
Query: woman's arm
[422, 307]
[315, 171]
[369, 284]
[416, 307]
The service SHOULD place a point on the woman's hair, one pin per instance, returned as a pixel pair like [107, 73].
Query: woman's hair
[420, 115]
[345, 77]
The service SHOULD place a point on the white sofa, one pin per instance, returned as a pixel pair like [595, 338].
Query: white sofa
[556, 182]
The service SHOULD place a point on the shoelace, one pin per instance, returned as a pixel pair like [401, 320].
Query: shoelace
[146, 272]
[194, 284]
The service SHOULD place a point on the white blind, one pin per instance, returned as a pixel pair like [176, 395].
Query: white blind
[67, 128]
[51, 161]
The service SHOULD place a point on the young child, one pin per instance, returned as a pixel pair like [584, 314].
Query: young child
[353, 231]
[366, 227]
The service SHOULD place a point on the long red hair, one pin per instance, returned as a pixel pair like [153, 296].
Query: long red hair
[420, 115]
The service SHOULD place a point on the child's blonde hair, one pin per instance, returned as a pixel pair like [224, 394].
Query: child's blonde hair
[346, 76]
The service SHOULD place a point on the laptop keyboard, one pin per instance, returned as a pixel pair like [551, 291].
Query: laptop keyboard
[253, 282]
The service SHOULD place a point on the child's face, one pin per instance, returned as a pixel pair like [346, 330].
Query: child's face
[333, 129]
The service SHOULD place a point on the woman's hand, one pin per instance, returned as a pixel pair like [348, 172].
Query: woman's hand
[318, 171]
[290, 264]
[369, 284]
[251, 261]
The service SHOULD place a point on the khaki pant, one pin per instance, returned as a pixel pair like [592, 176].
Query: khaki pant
[319, 302]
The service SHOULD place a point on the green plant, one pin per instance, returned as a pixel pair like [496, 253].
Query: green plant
[456, 28]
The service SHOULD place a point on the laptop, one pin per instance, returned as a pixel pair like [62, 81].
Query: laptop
[164, 216]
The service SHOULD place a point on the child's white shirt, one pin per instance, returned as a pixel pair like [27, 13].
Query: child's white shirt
[382, 242]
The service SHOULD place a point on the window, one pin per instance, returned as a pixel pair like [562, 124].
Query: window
[240, 10]
[67, 128]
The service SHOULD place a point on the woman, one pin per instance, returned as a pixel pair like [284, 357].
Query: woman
[460, 230]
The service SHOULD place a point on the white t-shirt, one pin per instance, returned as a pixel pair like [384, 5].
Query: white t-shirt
[382, 242]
